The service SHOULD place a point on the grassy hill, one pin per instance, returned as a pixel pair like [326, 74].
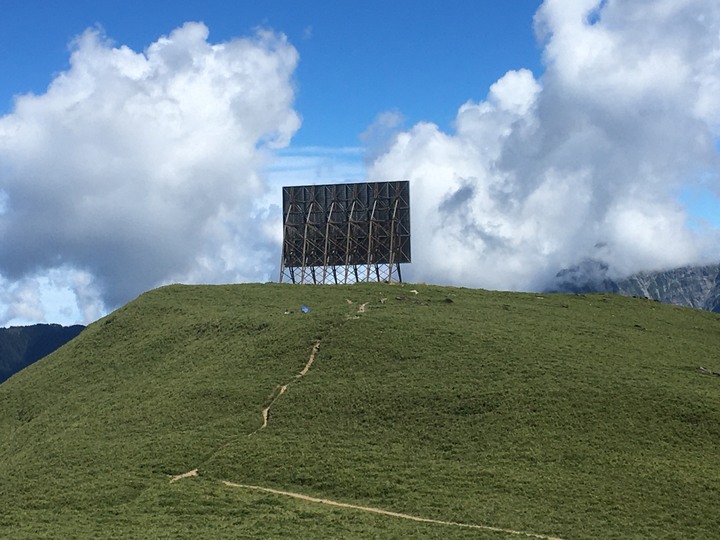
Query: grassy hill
[575, 417]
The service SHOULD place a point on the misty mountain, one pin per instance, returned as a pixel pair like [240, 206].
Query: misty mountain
[20, 346]
[691, 286]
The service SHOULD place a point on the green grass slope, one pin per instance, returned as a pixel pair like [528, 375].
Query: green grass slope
[579, 417]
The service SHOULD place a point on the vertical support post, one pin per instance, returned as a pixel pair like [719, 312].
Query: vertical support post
[370, 241]
[347, 244]
[305, 240]
[282, 256]
[327, 241]
[392, 242]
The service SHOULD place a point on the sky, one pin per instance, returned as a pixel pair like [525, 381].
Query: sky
[146, 143]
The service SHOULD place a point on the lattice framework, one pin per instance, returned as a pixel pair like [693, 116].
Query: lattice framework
[345, 233]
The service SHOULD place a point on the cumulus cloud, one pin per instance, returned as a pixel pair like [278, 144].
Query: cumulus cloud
[586, 162]
[138, 168]
[20, 300]
[381, 134]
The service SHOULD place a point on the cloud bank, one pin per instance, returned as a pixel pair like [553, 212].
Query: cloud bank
[138, 168]
[588, 162]
[141, 168]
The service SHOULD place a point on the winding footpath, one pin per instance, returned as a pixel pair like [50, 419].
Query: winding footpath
[279, 391]
[388, 512]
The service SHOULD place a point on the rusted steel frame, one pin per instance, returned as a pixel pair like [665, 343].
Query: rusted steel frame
[347, 244]
[392, 241]
[370, 241]
[282, 256]
[327, 240]
[305, 241]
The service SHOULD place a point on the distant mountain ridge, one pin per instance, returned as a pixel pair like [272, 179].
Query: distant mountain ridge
[691, 286]
[20, 346]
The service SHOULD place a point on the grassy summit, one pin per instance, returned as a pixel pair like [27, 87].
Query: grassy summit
[567, 416]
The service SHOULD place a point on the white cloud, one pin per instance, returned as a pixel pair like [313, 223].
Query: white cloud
[21, 301]
[516, 92]
[59, 295]
[587, 162]
[138, 168]
[380, 135]
[141, 168]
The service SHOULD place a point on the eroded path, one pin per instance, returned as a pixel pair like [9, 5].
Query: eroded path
[188, 474]
[280, 390]
[276, 394]
[389, 513]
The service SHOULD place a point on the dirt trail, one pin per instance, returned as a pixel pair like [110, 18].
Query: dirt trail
[389, 513]
[309, 362]
[280, 390]
[266, 411]
[188, 474]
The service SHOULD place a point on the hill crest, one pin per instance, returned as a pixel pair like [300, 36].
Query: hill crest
[576, 416]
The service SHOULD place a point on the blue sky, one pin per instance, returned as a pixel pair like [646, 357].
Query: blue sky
[144, 143]
[357, 59]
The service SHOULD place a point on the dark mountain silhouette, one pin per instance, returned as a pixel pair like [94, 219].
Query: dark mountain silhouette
[20, 346]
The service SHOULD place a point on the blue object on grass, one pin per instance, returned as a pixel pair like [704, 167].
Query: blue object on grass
[304, 309]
